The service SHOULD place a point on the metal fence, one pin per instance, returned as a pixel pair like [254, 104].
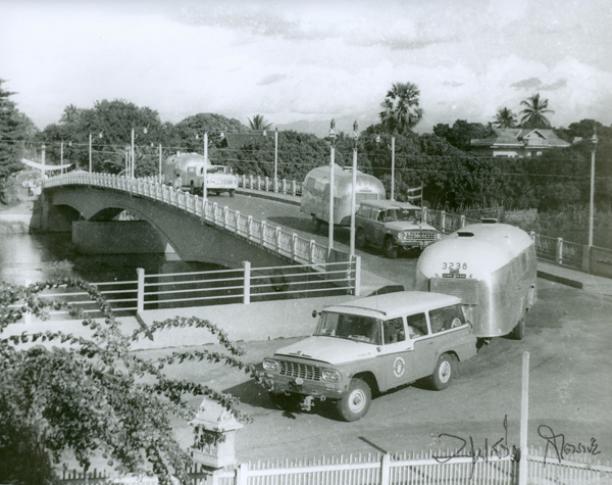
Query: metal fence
[273, 237]
[406, 468]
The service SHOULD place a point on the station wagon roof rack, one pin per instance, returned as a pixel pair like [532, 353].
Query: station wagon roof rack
[363, 308]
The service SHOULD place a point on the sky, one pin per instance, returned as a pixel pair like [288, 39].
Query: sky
[303, 63]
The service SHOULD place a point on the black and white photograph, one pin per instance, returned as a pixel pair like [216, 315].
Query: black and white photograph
[319, 242]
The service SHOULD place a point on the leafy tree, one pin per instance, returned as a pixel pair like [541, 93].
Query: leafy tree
[187, 134]
[15, 128]
[401, 110]
[258, 123]
[462, 132]
[532, 115]
[505, 118]
[60, 392]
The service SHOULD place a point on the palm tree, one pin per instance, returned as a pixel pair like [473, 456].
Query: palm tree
[258, 123]
[533, 112]
[505, 118]
[401, 107]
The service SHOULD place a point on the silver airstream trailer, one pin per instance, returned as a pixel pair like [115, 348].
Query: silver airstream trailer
[315, 193]
[492, 268]
[186, 171]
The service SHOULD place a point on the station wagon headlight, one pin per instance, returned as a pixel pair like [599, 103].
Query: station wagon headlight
[271, 365]
[330, 375]
[403, 235]
[438, 236]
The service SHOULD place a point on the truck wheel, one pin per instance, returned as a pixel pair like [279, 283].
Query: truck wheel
[518, 332]
[231, 193]
[356, 401]
[443, 373]
[360, 239]
[390, 248]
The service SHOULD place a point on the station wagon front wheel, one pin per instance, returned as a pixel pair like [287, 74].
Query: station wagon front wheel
[390, 248]
[356, 401]
[443, 372]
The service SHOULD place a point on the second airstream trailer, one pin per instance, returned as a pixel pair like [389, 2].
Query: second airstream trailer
[186, 171]
[492, 268]
[315, 193]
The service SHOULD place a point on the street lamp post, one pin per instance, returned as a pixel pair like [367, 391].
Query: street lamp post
[160, 162]
[43, 160]
[62, 156]
[276, 159]
[132, 171]
[594, 141]
[332, 161]
[205, 182]
[354, 189]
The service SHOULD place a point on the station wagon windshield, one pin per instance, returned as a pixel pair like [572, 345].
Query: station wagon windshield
[352, 327]
[401, 215]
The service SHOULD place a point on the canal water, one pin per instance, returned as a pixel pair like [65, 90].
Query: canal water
[27, 258]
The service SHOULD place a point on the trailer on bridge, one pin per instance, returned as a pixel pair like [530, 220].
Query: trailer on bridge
[315, 193]
[186, 171]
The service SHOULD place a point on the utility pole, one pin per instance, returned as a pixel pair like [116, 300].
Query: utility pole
[43, 156]
[160, 163]
[62, 157]
[392, 168]
[524, 451]
[332, 162]
[354, 189]
[276, 159]
[205, 182]
[592, 191]
[132, 156]
[90, 157]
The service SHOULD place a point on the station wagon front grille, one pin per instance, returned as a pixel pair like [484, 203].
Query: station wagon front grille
[421, 236]
[297, 369]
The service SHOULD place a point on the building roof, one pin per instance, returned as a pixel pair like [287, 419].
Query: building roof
[521, 138]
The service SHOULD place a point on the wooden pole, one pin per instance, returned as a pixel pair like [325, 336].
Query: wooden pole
[524, 420]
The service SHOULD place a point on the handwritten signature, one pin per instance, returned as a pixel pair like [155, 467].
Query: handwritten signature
[557, 443]
[499, 448]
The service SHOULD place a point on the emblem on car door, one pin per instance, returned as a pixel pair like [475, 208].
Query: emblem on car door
[399, 367]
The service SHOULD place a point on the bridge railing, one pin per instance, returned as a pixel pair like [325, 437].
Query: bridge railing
[271, 236]
[266, 184]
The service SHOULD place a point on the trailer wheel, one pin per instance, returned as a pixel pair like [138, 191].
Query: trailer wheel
[443, 372]
[518, 332]
[231, 193]
[354, 404]
[390, 248]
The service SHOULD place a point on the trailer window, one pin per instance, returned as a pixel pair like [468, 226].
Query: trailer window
[446, 318]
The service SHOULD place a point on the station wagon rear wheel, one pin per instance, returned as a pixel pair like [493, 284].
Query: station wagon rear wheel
[443, 372]
[356, 401]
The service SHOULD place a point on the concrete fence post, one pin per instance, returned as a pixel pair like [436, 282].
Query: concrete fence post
[243, 178]
[425, 215]
[263, 233]
[293, 188]
[140, 293]
[246, 286]
[294, 237]
[214, 212]
[385, 468]
[284, 182]
[267, 181]
[225, 216]
[357, 282]
[237, 219]
[559, 251]
[250, 227]
[277, 238]
[196, 204]
[258, 182]
[251, 181]
[462, 220]
[312, 250]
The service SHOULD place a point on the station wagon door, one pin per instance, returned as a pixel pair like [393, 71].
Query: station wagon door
[392, 363]
[451, 332]
[423, 356]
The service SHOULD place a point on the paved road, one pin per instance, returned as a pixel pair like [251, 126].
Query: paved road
[568, 336]
[378, 270]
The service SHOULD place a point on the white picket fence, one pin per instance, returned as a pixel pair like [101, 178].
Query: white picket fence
[405, 468]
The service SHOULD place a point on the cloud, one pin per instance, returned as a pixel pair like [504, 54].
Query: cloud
[271, 79]
[452, 84]
[558, 84]
[529, 83]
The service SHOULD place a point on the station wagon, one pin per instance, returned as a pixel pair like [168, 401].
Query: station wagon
[371, 345]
